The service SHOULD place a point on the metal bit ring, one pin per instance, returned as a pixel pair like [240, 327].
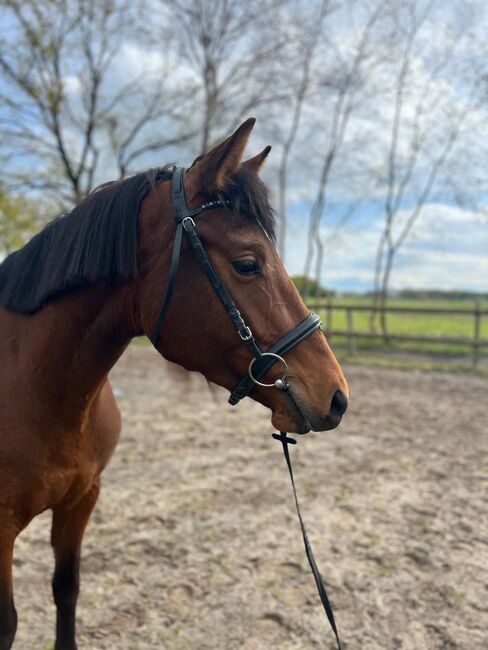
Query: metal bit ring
[278, 383]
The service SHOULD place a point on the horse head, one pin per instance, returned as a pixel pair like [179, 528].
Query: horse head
[235, 225]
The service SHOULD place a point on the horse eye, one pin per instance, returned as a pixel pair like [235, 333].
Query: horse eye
[247, 267]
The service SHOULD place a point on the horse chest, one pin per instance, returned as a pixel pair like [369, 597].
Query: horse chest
[78, 457]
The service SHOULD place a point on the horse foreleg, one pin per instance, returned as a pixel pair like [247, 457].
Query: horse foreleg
[8, 615]
[66, 536]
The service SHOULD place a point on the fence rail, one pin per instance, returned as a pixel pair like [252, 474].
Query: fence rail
[476, 342]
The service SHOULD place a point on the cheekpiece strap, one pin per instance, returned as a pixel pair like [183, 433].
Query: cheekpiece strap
[183, 216]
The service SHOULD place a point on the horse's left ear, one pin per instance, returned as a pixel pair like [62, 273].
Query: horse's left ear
[257, 162]
[214, 171]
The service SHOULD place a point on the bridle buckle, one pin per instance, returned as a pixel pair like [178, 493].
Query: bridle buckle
[187, 219]
[245, 333]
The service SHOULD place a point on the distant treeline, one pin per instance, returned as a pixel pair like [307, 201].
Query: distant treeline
[436, 294]
[313, 290]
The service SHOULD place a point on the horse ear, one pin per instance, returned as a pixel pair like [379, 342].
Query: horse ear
[213, 172]
[257, 162]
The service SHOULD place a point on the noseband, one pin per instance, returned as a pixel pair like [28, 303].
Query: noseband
[261, 361]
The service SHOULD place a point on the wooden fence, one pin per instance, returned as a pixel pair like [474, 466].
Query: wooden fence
[475, 342]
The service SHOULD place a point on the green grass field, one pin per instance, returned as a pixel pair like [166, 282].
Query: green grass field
[431, 325]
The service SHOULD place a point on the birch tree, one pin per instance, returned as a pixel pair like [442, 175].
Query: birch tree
[305, 42]
[426, 125]
[343, 83]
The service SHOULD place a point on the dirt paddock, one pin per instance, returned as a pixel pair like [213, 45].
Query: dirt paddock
[194, 543]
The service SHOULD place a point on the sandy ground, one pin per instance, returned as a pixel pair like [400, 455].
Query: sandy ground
[195, 543]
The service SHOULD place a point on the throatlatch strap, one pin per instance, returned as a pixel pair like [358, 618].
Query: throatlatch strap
[285, 441]
[175, 259]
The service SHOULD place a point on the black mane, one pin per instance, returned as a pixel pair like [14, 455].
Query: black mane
[97, 241]
[249, 195]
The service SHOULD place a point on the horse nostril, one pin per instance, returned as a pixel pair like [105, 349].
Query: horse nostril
[338, 405]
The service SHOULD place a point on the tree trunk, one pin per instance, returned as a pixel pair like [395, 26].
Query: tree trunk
[282, 204]
[376, 283]
[385, 282]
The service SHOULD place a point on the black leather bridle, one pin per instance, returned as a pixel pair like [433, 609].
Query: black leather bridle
[262, 361]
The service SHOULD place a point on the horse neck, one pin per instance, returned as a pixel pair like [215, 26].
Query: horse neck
[69, 347]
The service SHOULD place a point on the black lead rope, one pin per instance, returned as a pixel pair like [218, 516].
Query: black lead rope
[285, 441]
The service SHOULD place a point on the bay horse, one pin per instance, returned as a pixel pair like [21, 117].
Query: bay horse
[73, 298]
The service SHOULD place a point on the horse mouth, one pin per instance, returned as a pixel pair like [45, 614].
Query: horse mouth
[293, 401]
[329, 422]
[305, 421]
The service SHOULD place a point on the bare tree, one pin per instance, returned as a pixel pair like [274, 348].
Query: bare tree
[64, 100]
[231, 50]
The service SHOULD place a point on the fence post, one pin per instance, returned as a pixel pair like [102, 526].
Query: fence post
[477, 332]
[351, 341]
